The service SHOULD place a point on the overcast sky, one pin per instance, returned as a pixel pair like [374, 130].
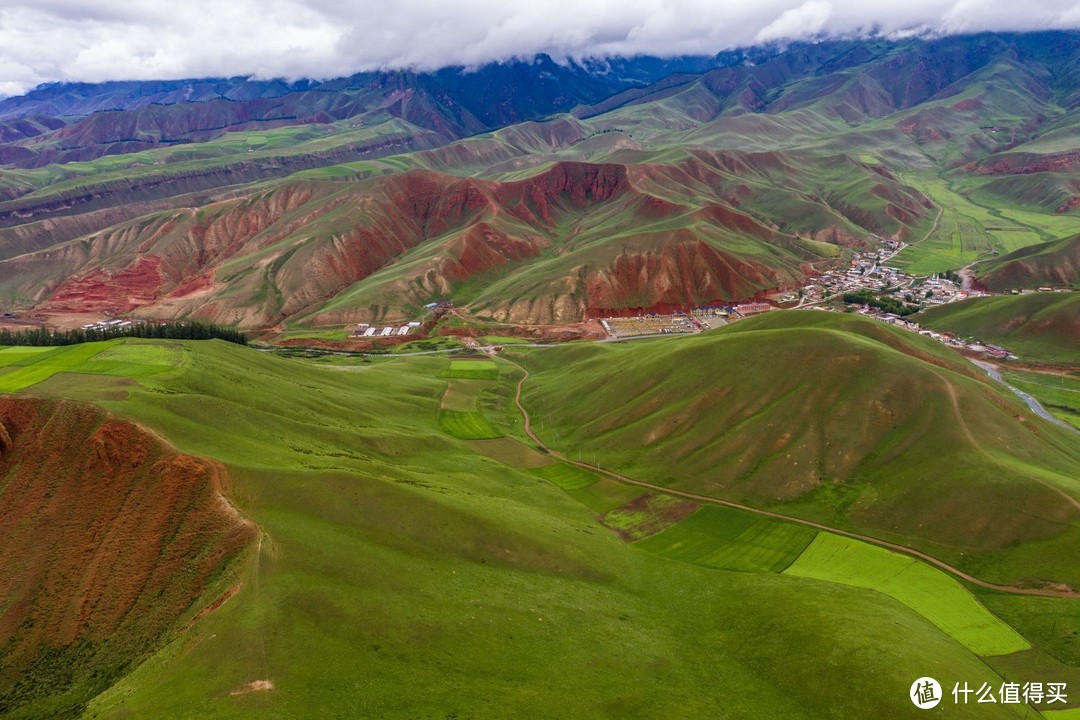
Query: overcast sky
[95, 40]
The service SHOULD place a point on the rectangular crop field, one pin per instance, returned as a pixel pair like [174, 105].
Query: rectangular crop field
[473, 370]
[22, 354]
[461, 394]
[466, 425]
[511, 452]
[568, 477]
[925, 589]
[37, 367]
[606, 494]
[729, 539]
[129, 359]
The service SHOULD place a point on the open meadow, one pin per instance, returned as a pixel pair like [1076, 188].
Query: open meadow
[401, 570]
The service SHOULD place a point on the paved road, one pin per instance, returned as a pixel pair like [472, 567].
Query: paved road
[1032, 403]
[1011, 589]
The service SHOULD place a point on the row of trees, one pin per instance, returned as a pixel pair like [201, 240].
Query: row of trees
[194, 330]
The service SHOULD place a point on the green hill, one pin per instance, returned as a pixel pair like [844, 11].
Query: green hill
[831, 417]
[402, 572]
[1055, 264]
[1043, 327]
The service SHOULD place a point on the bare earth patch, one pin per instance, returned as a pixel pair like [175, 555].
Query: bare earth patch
[254, 686]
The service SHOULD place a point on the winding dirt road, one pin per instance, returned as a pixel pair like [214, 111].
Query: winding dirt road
[1011, 589]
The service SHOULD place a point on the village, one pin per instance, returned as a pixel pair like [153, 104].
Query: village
[867, 284]
[867, 279]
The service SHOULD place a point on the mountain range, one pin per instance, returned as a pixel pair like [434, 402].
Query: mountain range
[530, 192]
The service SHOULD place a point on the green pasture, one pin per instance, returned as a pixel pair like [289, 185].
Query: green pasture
[566, 476]
[846, 434]
[925, 589]
[467, 425]
[1038, 327]
[402, 574]
[728, 539]
[472, 369]
[1059, 394]
[968, 231]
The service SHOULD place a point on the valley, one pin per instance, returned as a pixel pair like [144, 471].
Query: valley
[319, 453]
[742, 385]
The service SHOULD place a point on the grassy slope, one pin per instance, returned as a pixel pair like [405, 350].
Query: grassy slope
[1059, 394]
[851, 431]
[928, 590]
[1041, 327]
[399, 573]
[1055, 263]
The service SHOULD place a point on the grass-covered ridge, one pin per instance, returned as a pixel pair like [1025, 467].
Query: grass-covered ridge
[833, 418]
[455, 580]
[1039, 327]
[1054, 264]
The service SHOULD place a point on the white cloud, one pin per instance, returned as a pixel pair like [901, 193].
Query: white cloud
[95, 40]
[806, 20]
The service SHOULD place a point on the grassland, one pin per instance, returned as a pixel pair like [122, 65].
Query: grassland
[472, 370]
[1054, 264]
[968, 231]
[1059, 394]
[400, 573]
[927, 590]
[230, 149]
[1038, 327]
[833, 418]
[728, 539]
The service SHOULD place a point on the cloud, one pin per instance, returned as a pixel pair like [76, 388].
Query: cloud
[806, 20]
[96, 40]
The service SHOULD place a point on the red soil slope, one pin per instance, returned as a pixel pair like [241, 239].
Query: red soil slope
[109, 536]
[629, 236]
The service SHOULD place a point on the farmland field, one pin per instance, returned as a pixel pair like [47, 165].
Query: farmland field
[968, 231]
[472, 369]
[461, 394]
[377, 524]
[467, 425]
[728, 539]
[928, 591]
[568, 477]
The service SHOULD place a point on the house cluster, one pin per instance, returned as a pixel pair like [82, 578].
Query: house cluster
[696, 320]
[367, 330]
[109, 325]
[869, 270]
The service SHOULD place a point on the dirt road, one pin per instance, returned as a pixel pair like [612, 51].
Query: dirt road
[1011, 589]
